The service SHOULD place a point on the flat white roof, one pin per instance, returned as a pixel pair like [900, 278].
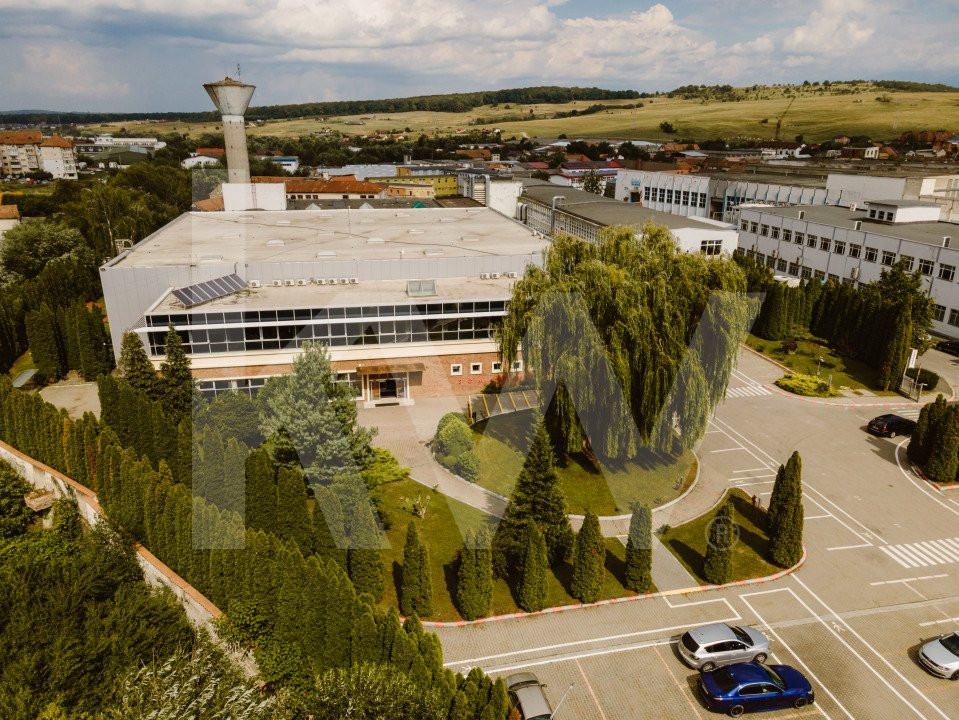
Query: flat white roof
[310, 235]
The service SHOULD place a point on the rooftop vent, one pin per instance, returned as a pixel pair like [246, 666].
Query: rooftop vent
[432, 253]
[469, 239]
[375, 241]
[415, 231]
[326, 253]
[275, 242]
[802, 214]
[282, 222]
[420, 288]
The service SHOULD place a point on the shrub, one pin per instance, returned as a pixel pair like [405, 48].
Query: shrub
[808, 385]
[453, 447]
[467, 466]
[448, 418]
[928, 378]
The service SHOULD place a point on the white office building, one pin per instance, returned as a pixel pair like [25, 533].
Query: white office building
[854, 245]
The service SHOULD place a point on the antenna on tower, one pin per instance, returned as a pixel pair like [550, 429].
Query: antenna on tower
[238, 71]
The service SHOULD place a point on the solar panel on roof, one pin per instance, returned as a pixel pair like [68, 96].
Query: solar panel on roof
[210, 290]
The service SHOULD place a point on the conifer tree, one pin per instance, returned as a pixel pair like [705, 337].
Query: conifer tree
[412, 558]
[136, 368]
[777, 501]
[915, 448]
[474, 588]
[329, 535]
[531, 590]
[896, 352]
[177, 380]
[944, 452]
[717, 567]
[639, 550]
[538, 498]
[786, 547]
[589, 560]
[292, 517]
[42, 337]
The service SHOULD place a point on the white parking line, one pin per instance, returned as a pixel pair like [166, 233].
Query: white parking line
[591, 693]
[793, 652]
[874, 652]
[763, 469]
[939, 622]
[727, 449]
[908, 580]
[817, 517]
[577, 656]
[923, 489]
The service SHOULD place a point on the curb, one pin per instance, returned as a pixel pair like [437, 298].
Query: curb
[615, 601]
[941, 487]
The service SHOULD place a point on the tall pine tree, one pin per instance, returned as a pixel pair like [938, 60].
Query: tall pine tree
[531, 589]
[177, 380]
[136, 368]
[589, 560]
[944, 451]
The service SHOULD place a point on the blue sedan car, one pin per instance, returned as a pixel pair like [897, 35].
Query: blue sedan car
[754, 687]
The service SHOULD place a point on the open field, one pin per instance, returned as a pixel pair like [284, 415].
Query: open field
[814, 115]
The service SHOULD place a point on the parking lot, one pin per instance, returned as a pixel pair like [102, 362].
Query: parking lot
[881, 578]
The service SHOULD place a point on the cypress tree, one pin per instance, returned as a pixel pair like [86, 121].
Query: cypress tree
[41, 328]
[177, 380]
[234, 476]
[639, 550]
[329, 535]
[786, 541]
[944, 450]
[589, 560]
[717, 567]
[777, 501]
[531, 590]
[365, 567]
[136, 368]
[412, 558]
[919, 437]
[895, 354]
[535, 498]
[292, 516]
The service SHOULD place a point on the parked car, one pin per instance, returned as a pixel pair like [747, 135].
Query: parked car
[941, 657]
[890, 426]
[948, 346]
[526, 695]
[754, 687]
[711, 646]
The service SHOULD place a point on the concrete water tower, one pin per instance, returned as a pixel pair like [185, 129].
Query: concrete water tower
[232, 98]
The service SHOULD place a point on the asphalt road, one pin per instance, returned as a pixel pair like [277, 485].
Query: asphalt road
[882, 577]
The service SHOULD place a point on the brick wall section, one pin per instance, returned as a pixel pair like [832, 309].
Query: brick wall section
[198, 608]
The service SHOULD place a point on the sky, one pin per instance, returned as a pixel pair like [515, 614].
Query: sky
[154, 55]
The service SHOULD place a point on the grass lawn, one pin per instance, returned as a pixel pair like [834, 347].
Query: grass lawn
[500, 446]
[688, 542]
[442, 531]
[22, 363]
[846, 372]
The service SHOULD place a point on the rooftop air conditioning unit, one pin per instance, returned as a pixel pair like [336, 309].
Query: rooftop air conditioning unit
[333, 281]
[484, 276]
[254, 283]
[494, 276]
[354, 281]
[511, 275]
[320, 281]
[301, 282]
[277, 283]
[289, 283]
[344, 281]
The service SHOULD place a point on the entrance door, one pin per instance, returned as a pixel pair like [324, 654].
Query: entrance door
[387, 388]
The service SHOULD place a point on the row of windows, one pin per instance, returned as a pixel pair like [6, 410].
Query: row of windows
[288, 337]
[251, 386]
[939, 313]
[838, 247]
[674, 197]
[476, 368]
[711, 247]
[327, 313]
[795, 269]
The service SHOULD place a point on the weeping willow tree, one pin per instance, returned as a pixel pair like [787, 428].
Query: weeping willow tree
[630, 341]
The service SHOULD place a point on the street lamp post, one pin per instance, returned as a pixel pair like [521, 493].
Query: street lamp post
[919, 394]
[819, 366]
[561, 701]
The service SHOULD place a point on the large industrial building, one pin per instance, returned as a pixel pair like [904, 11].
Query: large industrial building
[406, 300]
[855, 244]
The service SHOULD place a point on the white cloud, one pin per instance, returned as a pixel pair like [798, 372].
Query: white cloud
[835, 28]
[71, 71]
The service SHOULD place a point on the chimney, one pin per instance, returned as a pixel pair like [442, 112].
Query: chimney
[232, 98]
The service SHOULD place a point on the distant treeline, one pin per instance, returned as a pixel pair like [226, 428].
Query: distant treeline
[450, 102]
[908, 86]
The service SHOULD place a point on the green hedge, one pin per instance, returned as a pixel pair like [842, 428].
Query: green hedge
[928, 378]
[808, 385]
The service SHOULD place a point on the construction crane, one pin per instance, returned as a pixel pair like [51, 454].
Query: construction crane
[779, 120]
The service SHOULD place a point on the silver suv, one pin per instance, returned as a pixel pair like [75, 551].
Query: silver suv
[710, 646]
[526, 695]
[941, 657]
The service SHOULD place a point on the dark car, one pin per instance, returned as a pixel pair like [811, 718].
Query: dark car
[948, 346]
[754, 687]
[890, 426]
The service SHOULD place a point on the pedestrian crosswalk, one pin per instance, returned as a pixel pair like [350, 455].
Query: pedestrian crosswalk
[911, 413]
[924, 554]
[748, 391]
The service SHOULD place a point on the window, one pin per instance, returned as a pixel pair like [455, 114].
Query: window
[771, 262]
[805, 272]
[456, 369]
[820, 274]
[833, 278]
[669, 197]
[888, 258]
[871, 254]
[496, 367]
[646, 194]
[711, 247]
[476, 368]
[939, 312]
[947, 272]
[754, 228]
[517, 366]
[907, 262]
[774, 233]
[662, 194]
[744, 225]
[925, 267]
[764, 230]
[788, 235]
[855, 251]
[824, 244]
[685, 196]
[702, 200]
[872, 213]
[839, 247]
[760, 258]
[800, 238]
[954, 317]
[781, 264]
[811, 241]
[793, 268]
